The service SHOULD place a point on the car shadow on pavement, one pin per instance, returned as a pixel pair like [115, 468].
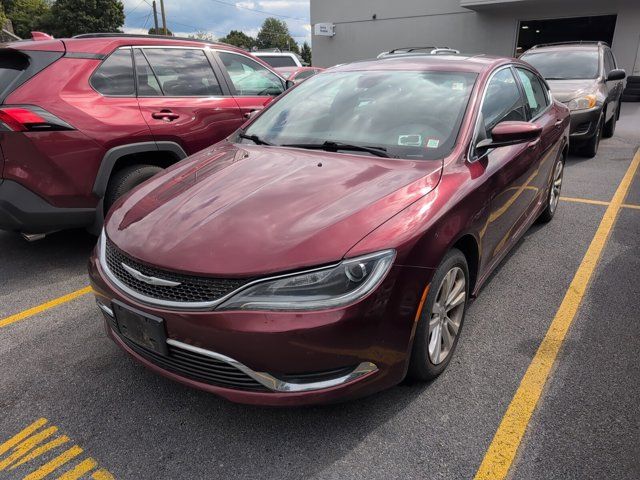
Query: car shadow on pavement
[27, 264]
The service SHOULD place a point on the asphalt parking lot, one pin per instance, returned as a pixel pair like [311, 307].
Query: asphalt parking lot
[107, 416]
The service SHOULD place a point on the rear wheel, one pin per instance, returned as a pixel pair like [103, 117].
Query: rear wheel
[441, 319]
[554, 192]
[127, 179]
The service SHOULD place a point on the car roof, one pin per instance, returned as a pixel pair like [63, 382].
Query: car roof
[103, 44]
[563, 47]
[456, 63]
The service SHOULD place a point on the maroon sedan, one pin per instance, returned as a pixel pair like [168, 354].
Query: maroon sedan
[331, 246]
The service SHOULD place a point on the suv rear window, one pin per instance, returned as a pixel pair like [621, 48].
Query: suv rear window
[278, 61]
[115, 76]
[17, 67]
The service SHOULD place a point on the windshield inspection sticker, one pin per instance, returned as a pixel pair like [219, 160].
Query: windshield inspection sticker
[410, 140]
[459, 86]
[433, 143]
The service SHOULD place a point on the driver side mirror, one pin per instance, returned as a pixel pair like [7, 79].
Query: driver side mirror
[617, 74]
[509, 133]
[289, 84]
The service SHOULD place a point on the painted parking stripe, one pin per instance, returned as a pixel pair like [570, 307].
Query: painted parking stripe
[43, 307]
[503, 448]
[597, 202]
[23, 453]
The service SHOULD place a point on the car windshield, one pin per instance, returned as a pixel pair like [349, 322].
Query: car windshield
[565, 65]
[415, 115]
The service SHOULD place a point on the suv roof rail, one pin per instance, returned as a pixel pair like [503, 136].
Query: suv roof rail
[431, 50]
[575, 42]
[140, 35]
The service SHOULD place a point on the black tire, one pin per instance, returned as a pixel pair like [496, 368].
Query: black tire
[421, 366]
[555, 190]
[590, 148]
[633, 81]
[635, 90]
[610, 127]
[125, 180]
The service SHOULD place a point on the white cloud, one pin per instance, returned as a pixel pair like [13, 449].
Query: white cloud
[245, 4]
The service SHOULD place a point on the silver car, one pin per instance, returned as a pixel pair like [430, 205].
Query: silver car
[584, 76]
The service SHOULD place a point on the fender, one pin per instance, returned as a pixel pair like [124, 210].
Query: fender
[113, 155]
[109, 161]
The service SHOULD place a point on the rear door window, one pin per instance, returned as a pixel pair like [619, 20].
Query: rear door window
[115, 76]
[249, 77]
[277, 61]
[148, 85]
[534, 90]
[183, 72]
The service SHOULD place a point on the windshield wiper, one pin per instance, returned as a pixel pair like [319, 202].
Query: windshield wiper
[336, 146]
[255, 139]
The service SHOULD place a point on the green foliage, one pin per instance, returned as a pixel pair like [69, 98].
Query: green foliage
[27, 16]
[239, 39]
[160, 31]
[275, 34]
[73, 17]
[3, 17]
[305, 53]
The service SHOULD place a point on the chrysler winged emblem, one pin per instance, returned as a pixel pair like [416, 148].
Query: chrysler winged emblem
[159, 282]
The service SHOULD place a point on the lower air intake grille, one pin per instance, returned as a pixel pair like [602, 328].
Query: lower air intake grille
[199, 367]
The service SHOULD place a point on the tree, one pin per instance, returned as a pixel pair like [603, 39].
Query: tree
[204, 36]
[239, 39]
[27, 16]
[275, 34]
[305, 53]
[160, 31]
[72, 17]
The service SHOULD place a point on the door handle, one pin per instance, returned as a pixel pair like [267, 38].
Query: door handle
[166, 115]
[558, 124]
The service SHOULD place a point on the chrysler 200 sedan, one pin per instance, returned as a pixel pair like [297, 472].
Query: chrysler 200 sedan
[331, 246]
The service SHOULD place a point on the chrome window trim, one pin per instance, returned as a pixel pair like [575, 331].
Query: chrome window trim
[470, 151]
[102, 244]
[272, 383]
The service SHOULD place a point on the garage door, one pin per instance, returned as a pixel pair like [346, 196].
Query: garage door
[535, 32]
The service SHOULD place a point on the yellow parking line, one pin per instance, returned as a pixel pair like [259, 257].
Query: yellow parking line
[504, 446]
[49, 467]
[79, 470]
[584, 200]
[45, 306]
[634, 207]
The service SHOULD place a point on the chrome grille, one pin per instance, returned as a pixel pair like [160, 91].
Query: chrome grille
[192, 288]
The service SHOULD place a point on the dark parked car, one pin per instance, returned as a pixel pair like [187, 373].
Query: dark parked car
[585, 77]
[332, 246]
[78, 127]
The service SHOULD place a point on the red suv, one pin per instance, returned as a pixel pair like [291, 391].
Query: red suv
[83, 120]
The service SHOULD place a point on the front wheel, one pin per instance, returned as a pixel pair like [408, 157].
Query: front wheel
[590, 148]
[441, 319]
[610, 126]
[554, 192]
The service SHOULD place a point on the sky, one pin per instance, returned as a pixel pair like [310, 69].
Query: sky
[218, 17]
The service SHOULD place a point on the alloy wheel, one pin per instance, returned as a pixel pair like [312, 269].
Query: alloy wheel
[556, 186]
[446, 315]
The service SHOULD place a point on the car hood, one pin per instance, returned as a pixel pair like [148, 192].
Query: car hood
[236, 210]
[566, 90]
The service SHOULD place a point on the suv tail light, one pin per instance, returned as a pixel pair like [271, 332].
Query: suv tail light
[30, 119]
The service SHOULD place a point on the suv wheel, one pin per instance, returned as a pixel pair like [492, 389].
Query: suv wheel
[127, 179]
[590, 148]
[610, 126]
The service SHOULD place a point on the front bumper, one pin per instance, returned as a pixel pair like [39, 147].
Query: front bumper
[584, 123]
[22, 210]
[367, 344]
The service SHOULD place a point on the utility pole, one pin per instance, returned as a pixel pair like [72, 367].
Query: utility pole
[155, 16]
[164, 18]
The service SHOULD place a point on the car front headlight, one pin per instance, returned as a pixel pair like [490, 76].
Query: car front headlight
[317, 289]
[582, 103]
